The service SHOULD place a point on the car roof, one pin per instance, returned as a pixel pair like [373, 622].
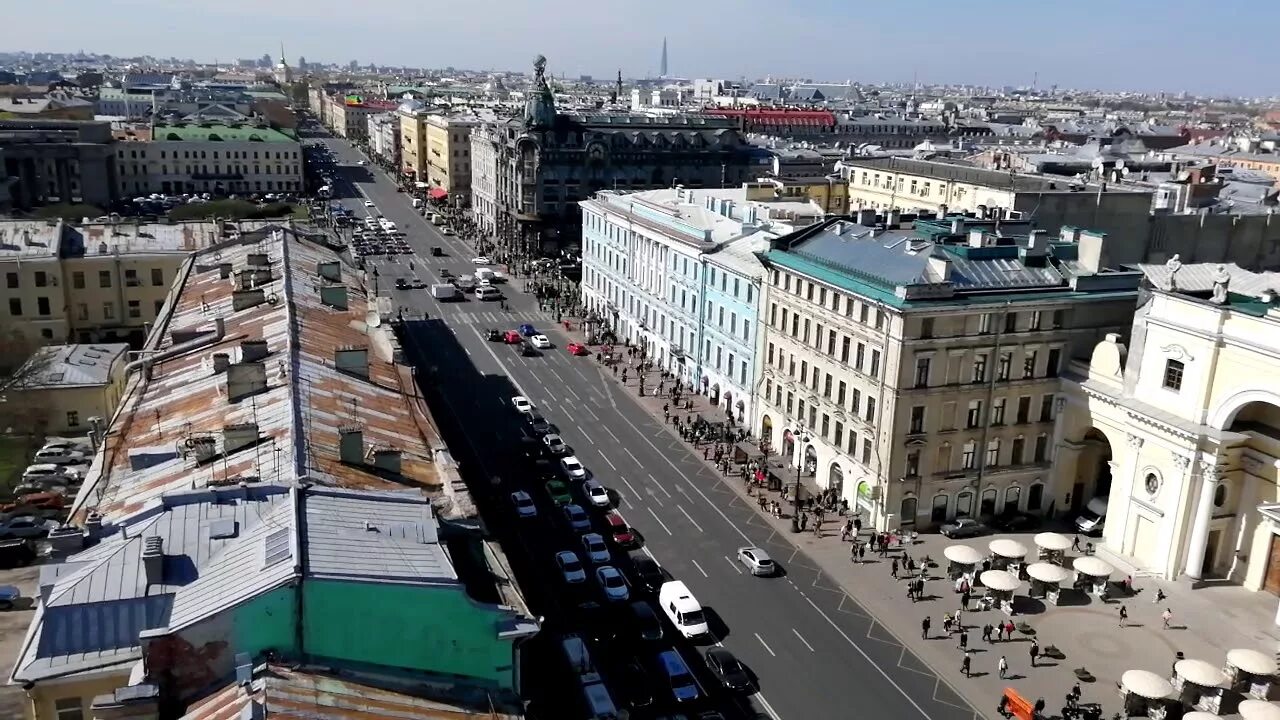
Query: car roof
[592, 537]
[614, 518]
[570, 458]
[672, 662]
[566, 554]
[520, 494]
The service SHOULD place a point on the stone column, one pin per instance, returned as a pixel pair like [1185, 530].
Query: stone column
[1200, 522]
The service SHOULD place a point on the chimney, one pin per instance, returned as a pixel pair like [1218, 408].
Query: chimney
[335, 296]
[351, 445]
[93, 524]
[153, 559]
[220, 362]
[1069, 234]
[353, 360]
[1038, 242]
[245, 379]
[939, 269]
[330, 271]
[892, 218]
[957, 226]
[1090, 253]
[237, 436]
[253, 350]
[245, 299]
[866, 217]
[204, 448]
[224, 270]
[387, 459]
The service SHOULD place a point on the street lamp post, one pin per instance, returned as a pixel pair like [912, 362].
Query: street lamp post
[795, 495]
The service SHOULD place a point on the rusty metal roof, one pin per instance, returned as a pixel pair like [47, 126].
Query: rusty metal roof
[178, 417]
[286, 693]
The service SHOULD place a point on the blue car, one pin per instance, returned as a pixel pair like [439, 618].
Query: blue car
[528, 330]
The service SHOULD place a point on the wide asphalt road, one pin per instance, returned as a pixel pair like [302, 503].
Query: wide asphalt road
[816, 653]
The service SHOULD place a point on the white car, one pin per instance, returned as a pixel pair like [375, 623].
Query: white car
[593, 545]
[522, 404]
[573, 468]
[596, 493]
[481, 260]
[571, 567]
[363, 162]
[368, 203]
[540, 341]
[555, 444]
[524, 504]
[612, 584]
[757, 560]
[58, 456]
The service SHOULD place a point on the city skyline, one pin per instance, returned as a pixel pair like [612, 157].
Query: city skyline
[1046, 46]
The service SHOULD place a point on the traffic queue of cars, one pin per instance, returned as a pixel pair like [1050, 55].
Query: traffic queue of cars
[378, 236]
[617, 587]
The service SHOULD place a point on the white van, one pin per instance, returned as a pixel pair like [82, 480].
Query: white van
[488, 292]
[1094, 516]
[683, 609]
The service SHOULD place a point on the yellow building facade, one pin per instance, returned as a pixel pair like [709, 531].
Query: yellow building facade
[448, 157]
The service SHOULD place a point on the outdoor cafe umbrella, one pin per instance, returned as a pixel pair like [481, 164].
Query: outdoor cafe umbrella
[1000, 581]
[1052, 541]
[1092, 566]
[1006, 548]
[1252, 662]
[1199, 672]
[1144, 683]
[962, 554]
[1259, 710]
[1048, 572]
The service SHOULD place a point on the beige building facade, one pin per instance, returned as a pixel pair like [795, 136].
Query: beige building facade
[413, 140]
[72, 383]
[209, 157]
[918, 386]
[1179, 428]
[448, 157]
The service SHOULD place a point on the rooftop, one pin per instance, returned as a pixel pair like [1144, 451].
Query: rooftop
[968, 174]
[67, 366]
[261, 368]
[212, 132]
[29, 239]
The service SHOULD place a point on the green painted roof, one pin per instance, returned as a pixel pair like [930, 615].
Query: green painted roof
[189, 132]
[267, 94]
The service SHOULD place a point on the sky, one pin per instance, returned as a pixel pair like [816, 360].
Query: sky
[1224, 48]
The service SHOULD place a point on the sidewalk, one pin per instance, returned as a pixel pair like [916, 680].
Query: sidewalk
[1206, 623]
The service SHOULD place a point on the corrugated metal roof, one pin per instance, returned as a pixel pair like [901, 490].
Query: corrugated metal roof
[1200, 277]
[377, 537]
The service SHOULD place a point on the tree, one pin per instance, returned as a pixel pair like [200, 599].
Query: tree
[23, 418]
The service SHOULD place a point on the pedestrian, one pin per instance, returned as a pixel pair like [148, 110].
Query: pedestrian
[956, 619]
[853, 553]
[964, 598]
[1003, 667]
[1038, 710]
[1073, 697]
[946, 623]
[965, 663]
[1166, 616]
[893, 569]
[964, 639]
[1159, 596]
[704, 453]
[986, 633]
[862, 554]
[1034, 651]
[1124, 615]
[1008, 630]
[924, 627]
[857, 525]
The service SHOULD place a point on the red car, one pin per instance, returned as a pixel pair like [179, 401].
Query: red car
[511, 337]
[621, 534]
[577, 349]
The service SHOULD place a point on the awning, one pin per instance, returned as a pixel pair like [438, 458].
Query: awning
[1258, 710]
[1000, 580]
[1251, 661]
[1092, 566]
[1200, 672]
[1006, 548]
[1048, 572]
[438, 193]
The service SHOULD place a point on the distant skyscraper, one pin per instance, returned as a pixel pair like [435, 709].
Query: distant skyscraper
[662, 71]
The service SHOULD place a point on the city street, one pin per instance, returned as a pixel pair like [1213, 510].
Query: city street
[815, 651]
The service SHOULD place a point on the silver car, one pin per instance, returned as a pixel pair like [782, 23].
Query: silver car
[757, 560]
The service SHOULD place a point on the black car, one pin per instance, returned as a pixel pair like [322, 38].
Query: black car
[493, 335]
[1015, 522]
[728, 670]
[528, 350]
[402, 284]
[646, 574]
[538, 423]
[436, 252]
[644, 620]
[636, 683]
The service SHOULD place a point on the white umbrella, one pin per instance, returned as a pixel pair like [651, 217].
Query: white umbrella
[1092, 566]
[1007, 548]
[1146, 684]
[962, 554]
[1201, 715]
[1048, 572]
[1259, 710]
[1000, 580]
[1251, 661]
[1199, 672]
[1052, 541]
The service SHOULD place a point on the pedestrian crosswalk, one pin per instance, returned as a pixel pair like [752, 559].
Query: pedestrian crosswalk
[498, 318]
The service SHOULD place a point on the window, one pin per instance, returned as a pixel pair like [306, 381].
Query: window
[826, 386]
[997, 411]
[879, 319]
[813, 417]
[1029, 364]
[104, 278]
[840, 393]
[42, 278]
[922, 372]
[979, 368]
[1173, 370]
[770, 354]
[1002, 370]
[1011, 322]
[912, 468]
[984, 323]
[82, 311]
[804, 371]
[157, 277]
[993, 454]
[1042, 448]
[790, 401]
[1016, 450]
[68, 709]
[875, 363]
[131, 278]
[831, 343]
[860, 356]
[11, 280]
[926, 327]
[826, 424]
[838, 438]
[42, 306]
[1035, 496]
[864, 313]
[974, 417]
[77, 280]
[844, 351]
[871, 409]
[800, 408]
[917, 419]
[73, 418]
[135, 309]
[108, 311]
[1024, 409]
[968, 458]
[1035, 319]
[1059, 319]
[856, 401]
[15, 307]
[866, 451]
[1046, 408]
[773, 313]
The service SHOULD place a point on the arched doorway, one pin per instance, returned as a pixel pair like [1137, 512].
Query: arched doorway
[988, 507]
[788, 444]
[1259, 421]
[1093, 470]
[715, 394]
[835, 479]
[810, 460]
[728, 401]
[939, 512]
[964, 503]
[766, 430]
[742, 410]
[1012, 498]
[907, 511]
[863, 497]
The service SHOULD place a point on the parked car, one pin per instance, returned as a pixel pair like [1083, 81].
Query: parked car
[538, 423]
[635, 685]
[646, 574]
[559, 492]
[59, 456]
[571, 567]
[644, 620]
[619, 532]
[675, 674]
[963, 528]
[596, 494]
[493, 335]
[522, 404]
[523, 504]
[572, 468]
[612, 584]
[17, 552]
[596, 551]
[1015, 522]
[577, 518]
[26, 526]
[555, 444]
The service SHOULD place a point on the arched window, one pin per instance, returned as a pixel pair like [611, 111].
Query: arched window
[907, 514]
[964, 503]
[1220, 495]
[1035, 497]
[988, 502]
[1012, 496]
[939, 512]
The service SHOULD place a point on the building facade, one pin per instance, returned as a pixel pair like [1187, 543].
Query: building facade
[70, 384]
[548, 162]
[58, 161]
[448, 160]
[384, 138]
[412, 115]
[674, 272]
[1177, 425]
[211, 157]
[916, 372]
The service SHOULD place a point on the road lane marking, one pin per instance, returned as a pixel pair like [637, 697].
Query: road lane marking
[606, 459]
[866, 657]
[574, 394]
[585, 435]
[606, 428]
[690, 517]
[695, 564]
[631, 487]
[806, 642]
[765, 644]
[655, 481]
[634, 459]
[733, 564]
[664, 525]
[596, 418]
[767, 707]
